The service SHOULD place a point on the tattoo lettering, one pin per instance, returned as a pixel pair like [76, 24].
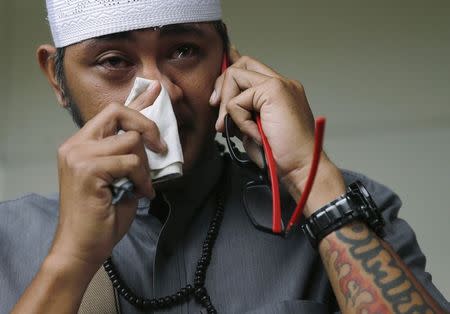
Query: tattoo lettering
[357, 292]
[379, 263]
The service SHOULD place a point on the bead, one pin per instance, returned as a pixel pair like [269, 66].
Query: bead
[199, 283]
[205, 300]
[189, 288]
[200, 292]
[201, 268]
[145, 303]
[180, 295]
[168, 300]
[184, 291]
[116, 283]
[201, 276]
[154, 304]
[199, 273]
[175, 299]
[113, 277]
[161, 302]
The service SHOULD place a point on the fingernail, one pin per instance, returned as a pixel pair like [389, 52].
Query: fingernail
[213, 98]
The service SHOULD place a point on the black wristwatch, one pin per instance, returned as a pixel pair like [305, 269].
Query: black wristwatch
[356, 204]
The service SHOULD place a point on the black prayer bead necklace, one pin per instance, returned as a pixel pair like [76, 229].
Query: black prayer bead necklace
[198, 290]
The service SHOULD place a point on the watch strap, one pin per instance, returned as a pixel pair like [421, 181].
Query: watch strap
[327, 219]
[356, 204]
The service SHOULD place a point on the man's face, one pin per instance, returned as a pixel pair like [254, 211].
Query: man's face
[185, 58]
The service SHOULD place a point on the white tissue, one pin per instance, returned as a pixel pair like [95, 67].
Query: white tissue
[163, 166]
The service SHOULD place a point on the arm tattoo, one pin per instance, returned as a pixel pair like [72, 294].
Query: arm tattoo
[392, 288]
[357, 292]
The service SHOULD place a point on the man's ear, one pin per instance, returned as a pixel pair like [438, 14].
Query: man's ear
[46, 58]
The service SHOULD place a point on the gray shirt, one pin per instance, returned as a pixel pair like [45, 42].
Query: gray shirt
[250, 271]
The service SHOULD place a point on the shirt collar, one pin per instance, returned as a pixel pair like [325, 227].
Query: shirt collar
[185, 201]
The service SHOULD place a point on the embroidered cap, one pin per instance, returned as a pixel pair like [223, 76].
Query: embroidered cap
[72, 21]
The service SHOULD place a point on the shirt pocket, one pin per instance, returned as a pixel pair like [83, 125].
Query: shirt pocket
[292, 307]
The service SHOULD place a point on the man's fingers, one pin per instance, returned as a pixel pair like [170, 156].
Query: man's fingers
[241, 110]
[125, 166]
[235, 80]
[121, 144]
[116, 117]
[245, 63]
[147, 98]
[125, 143]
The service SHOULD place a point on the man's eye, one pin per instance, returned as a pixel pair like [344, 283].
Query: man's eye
[115, 63]
[185, 51]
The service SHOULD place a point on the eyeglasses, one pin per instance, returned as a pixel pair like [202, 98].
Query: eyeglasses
[261, 196]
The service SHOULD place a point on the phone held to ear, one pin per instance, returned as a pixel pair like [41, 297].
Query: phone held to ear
[265, 190]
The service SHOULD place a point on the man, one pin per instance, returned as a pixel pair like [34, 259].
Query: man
[52, 248]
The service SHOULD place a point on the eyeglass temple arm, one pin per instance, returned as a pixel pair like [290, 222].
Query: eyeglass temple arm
[318, 143]
[276, 206]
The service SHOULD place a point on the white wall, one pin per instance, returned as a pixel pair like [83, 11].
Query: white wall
[378, 70]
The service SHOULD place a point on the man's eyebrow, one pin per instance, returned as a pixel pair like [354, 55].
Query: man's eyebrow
[182, 29]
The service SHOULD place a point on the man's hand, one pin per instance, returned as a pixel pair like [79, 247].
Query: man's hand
[250, 86]
[89, 162]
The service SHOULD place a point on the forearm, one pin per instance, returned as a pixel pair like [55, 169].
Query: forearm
[367, 276]
[58, 287]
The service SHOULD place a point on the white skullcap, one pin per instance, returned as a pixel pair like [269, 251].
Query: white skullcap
[72, 21]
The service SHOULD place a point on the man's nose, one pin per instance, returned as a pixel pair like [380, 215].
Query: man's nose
[151, 71]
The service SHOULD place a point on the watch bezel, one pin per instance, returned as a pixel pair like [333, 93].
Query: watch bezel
[370, 212]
